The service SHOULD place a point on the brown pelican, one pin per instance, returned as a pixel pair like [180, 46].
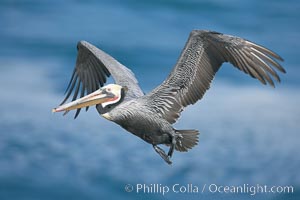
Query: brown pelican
[151, 116]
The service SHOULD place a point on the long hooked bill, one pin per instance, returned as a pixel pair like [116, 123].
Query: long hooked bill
[97, 97]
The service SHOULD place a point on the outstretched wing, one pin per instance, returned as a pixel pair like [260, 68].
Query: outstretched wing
[202, 56]
[93, 66]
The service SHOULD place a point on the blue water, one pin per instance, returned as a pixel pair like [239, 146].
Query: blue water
[249, 132]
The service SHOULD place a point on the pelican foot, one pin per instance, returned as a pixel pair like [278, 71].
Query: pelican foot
[162, 154]
[172, 147]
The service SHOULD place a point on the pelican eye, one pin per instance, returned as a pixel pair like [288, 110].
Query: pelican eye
[108, 89]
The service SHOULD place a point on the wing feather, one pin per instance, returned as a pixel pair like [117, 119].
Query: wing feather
[92, 68]
[201, 58]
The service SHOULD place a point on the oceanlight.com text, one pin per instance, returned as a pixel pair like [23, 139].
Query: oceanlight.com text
[156, 188]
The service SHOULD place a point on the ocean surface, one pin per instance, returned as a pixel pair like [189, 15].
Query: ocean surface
[249, 132]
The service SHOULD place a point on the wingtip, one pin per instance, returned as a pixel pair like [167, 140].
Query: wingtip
[283, 70]
[273, 85]
[82, 43]
[280, 58]
[199, 32]
[66, 112]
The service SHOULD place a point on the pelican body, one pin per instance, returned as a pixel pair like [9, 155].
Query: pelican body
[151, 116]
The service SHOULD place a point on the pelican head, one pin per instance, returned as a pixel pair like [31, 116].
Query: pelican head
[107, 95]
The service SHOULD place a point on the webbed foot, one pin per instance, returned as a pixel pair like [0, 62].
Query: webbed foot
[172, 147]
[162, 154]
